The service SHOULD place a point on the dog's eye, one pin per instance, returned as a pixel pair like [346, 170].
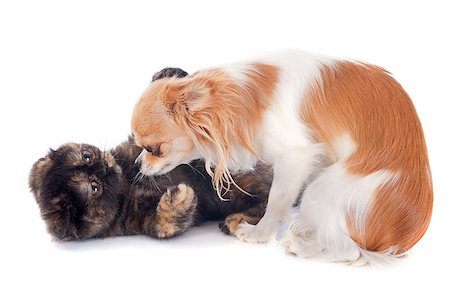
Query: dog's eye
[87, 156]
[155, 151]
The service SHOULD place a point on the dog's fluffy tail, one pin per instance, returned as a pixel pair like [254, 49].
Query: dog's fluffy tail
[378, 259]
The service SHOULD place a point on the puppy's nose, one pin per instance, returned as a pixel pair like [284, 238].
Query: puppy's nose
[102, 168]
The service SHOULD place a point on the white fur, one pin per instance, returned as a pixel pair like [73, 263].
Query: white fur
[320, 228]
[283, 193]
[343, 147]
[235, 70]
[285, 142]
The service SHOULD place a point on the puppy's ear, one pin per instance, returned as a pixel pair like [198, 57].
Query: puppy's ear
[54, 207]
[38, 173]
[169, 72]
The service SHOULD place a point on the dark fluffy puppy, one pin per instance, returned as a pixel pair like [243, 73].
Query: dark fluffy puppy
[85, 193]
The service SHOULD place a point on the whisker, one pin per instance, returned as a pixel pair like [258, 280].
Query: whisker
[141, 177]
[155, 183]
[196, 170]
[137, 178]
[167, 175]
[133, 180]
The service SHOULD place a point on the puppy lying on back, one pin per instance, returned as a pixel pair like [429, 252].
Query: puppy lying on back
[85, 193]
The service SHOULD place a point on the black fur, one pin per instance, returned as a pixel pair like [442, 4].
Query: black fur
[127, 203]
[85, 193]
[170, 72]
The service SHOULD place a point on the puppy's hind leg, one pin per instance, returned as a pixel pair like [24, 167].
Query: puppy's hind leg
[291, 169]
[232, 222]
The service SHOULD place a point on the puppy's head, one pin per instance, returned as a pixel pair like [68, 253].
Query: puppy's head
[76, 188]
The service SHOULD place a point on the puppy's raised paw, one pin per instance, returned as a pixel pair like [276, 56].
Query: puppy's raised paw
[178, 198]
[176, 210]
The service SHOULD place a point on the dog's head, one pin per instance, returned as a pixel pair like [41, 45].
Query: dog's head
[155, 127]
[207, 115]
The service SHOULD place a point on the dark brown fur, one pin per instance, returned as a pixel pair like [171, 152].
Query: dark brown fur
[127, 203]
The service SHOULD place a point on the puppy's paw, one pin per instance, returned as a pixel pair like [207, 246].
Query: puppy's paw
[176, 210]
[177, 198]
[231, 223]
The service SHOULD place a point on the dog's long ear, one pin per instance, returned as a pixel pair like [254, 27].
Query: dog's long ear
[185, 97]
[169, 72]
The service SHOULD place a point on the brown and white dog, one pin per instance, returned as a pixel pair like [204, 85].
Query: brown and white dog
[343, 131]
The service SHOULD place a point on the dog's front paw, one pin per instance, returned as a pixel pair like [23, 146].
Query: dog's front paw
[252, 233]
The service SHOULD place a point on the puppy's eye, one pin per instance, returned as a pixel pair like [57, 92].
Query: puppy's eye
[87, 156]
[149, 149]
[94, 187]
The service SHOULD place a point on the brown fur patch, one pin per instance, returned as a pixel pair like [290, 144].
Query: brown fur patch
[79, 178]
[232, 222]
[74, 157]
[222, 113]
[176, 203]
[367, 103]
[109, 159]
[179, 198]
[210, 109]
[153, 123]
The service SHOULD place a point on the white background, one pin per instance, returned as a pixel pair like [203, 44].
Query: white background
[72, 71]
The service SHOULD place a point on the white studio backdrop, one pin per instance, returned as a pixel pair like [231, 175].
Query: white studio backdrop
[73, 70]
